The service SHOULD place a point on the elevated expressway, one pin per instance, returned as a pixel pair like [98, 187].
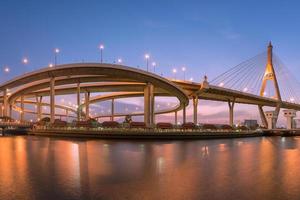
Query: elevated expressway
[116, 81]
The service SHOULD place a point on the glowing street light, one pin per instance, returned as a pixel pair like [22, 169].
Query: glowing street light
[174, 72]
[56, 52]
[183, 69]
[119, 60]
[147, 56]
[6, 69]
[191, 79]
[154, 65]
[101, 47]
[50, 65]
[221, 84]
[25, 61]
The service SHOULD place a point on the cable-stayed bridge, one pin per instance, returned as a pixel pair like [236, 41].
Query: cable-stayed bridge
[262, 80]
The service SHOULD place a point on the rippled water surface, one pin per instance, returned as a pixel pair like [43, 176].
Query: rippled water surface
[56, 168]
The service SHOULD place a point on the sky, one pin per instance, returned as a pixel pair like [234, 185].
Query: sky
[208, 37]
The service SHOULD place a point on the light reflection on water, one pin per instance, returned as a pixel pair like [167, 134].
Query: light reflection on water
[54, 168]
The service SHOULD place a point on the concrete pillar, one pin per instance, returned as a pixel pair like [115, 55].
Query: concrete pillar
[148, 114]
[39, 107]
[112, 109]
[87, 105]
[263, 117]
[52, 100]
[5, 103]
[67, 114]
[175, 118]
[152, 104]
[184, 115]
[271, 115]
[195, 106]
[231, 106]
[78, 102]
[289, 114]
[1, 109]
[10, 111]
[22, 109]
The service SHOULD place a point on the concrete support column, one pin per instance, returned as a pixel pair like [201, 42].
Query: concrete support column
[231, 106]
[1, 109]
[5, 103]
[87, 105]
[22, 109]
[290, 114]
[10, 111]
[175, 118]
[39, 107]
[263, 117]
[148, 105]
[78, 102]
[195, 106]
[152, 104]
[271, 115]
[112, 110]
[52, 100]
[67, 114]
[184, 115]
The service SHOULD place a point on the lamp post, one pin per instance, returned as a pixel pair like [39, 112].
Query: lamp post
[56, 52]
[119, 60]
[147, 61]
[183, 70]
[101, 47]
[174, 72]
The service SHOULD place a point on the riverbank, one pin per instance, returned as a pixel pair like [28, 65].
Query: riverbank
[144, 134]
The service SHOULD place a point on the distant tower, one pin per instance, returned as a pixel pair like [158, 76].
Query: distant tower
[270, 74]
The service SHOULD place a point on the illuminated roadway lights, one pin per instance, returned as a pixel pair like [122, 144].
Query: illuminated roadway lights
[101, 47]
[245, 89]
[6, 69]
[147, 56]
[154, 65]
[56, 52]
[292, 100]
[221, 84]
[50, 65]
[183, 69]
[191, 79]
[25, 61]
[119, 60]
[174, 72]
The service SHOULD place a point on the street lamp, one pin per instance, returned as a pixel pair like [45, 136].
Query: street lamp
[56, 52]
[6, 69]
[25, 61]
[183, 69]
[154, 65]
[119, 60]
[50, 65]
[191, 79]
[174, 72]
[147, 61]
[101, 47]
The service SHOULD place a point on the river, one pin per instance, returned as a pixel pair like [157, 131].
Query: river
[57, 168]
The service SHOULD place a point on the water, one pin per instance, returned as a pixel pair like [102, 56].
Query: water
[56, 168]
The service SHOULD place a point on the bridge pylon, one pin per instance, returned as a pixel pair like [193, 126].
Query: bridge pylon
[270, 75]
